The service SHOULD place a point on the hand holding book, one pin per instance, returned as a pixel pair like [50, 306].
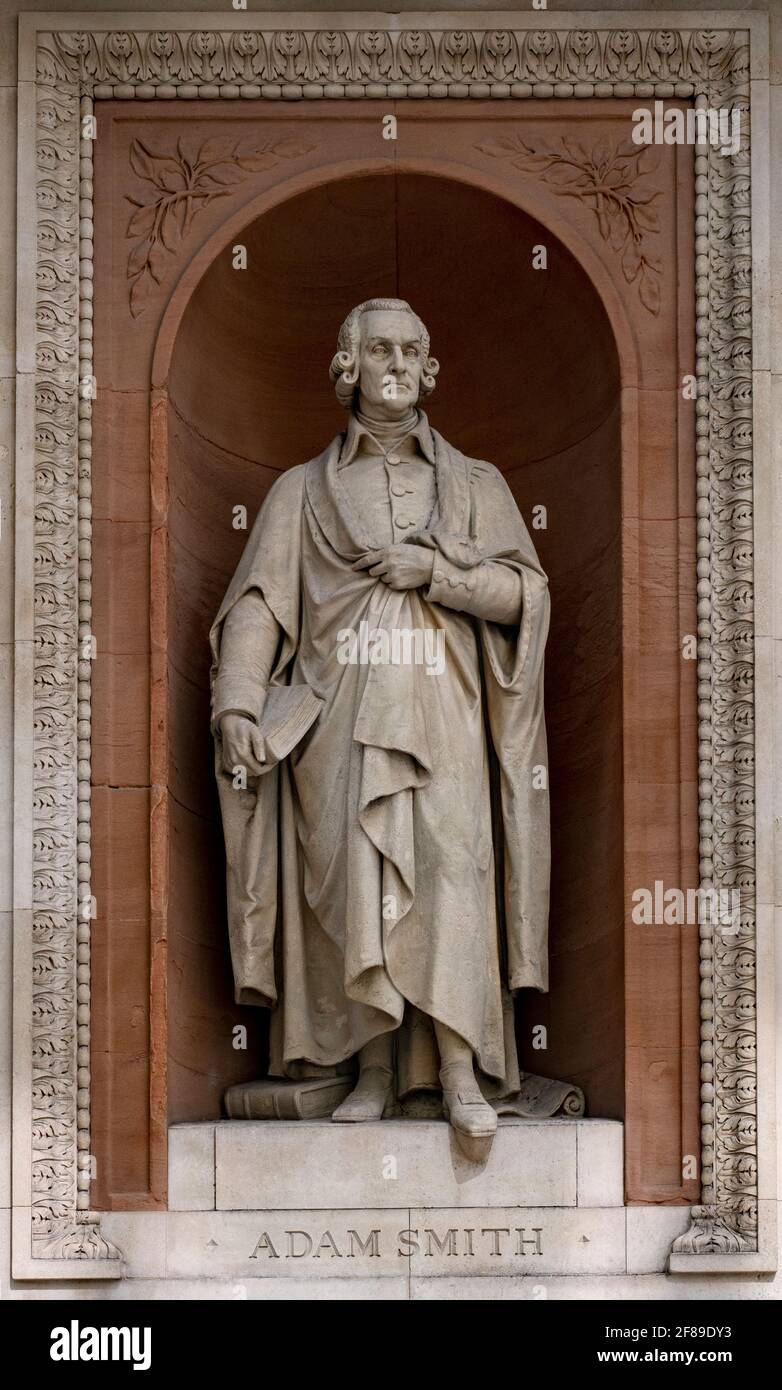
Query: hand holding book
[242, 744]
[289, 712]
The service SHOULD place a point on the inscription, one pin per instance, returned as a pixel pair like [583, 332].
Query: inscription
[498, 1241]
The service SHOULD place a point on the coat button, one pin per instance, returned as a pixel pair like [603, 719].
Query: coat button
[397, 490]
[438, 576]
[393, 459]
[403, 521]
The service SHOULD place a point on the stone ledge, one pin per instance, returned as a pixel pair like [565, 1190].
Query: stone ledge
[241, 1165]
[220, 1245]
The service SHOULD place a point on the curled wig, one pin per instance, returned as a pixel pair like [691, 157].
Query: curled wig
[344, 369]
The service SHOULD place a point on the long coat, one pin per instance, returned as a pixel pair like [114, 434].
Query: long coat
[368, 878]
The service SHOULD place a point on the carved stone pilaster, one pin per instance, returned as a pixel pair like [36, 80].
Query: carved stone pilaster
[728, 1220]
[57, 1047]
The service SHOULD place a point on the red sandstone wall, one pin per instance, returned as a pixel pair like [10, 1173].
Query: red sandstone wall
[162, 1008]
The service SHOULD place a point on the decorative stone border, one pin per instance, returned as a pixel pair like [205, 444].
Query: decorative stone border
[84, 58]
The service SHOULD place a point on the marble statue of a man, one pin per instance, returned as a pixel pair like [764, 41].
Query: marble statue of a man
[396, 579]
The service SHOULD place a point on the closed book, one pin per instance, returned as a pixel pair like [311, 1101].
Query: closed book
[274, 1099]
[289, 712]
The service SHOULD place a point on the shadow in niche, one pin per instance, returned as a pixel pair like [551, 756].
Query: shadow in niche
[529, 379]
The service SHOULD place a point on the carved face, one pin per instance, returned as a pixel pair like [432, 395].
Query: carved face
[390, 363]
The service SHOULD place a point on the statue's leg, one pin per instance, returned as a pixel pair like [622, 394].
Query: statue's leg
[375, 1085]
[472, 1119]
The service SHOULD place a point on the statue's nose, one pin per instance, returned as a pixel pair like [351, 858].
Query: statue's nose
[399, 360]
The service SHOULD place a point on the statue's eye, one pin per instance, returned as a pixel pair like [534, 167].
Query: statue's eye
[411, 352]
[378, 350]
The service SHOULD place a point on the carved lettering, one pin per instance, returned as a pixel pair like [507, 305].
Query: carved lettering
[264, 1243]
[370, 1245]
[451, 1242]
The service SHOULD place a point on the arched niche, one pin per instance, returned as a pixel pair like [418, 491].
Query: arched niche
[531, 380]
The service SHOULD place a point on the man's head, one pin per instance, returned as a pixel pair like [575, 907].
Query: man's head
[382, 361]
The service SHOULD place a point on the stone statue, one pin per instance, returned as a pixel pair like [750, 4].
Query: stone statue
[393, 582]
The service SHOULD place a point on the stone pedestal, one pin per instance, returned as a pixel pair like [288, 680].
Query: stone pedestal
[393, 1200]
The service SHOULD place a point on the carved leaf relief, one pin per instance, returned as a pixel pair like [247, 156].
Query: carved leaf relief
[181, 185]
[611, 182]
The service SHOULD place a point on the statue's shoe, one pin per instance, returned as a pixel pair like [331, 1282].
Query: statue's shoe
[368, 1099]
[471, 1118]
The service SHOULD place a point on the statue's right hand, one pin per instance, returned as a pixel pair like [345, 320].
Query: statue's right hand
[243, 745]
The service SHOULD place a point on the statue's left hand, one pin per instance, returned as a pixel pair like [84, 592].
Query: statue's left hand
[404, 566]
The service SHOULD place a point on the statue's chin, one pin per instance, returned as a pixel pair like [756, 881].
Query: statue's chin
[385, 409]
[388, 410]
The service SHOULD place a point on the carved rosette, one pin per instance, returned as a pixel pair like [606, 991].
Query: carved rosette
[74, 66]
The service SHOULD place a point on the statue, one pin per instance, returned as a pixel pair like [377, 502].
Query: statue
[379, 651]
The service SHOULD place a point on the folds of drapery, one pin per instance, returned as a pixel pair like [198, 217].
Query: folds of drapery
[292, 838]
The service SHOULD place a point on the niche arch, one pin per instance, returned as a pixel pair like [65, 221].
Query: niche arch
[531, 379]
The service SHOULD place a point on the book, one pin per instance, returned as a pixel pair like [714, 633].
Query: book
[277, 1099]
[288, 713]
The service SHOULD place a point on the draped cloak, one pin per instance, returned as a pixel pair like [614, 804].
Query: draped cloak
[374, 875]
